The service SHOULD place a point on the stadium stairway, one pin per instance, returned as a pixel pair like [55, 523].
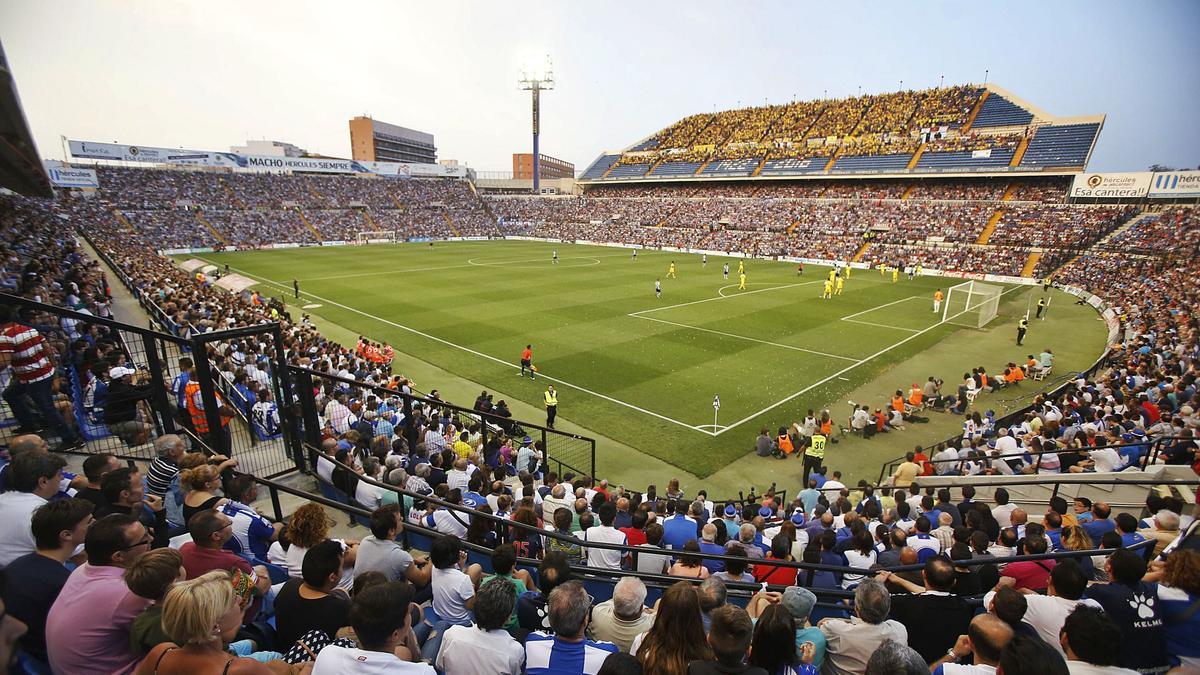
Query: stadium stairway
[1102, 244]
[1031, 263]
[862, 250]
[1020, 153]
[911, 188]
[371, 224]
[308, 223]
[232, 195]
[700, 169]
[317, 195]
[654, 166]
[450, 223]
[399, 204]
[792, 228]
[759, 168]
[912, 164]
[833, 160]
[975, 113]
[215, 232]
[124, 221]
[1009, 192]
[990, 228]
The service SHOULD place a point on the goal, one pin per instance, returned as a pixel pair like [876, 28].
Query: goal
[375, 236]
[971, 303]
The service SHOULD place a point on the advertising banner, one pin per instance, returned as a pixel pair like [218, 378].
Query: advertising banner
[67, 177]
[1175, 184]
[1111, 185]
[231, 160]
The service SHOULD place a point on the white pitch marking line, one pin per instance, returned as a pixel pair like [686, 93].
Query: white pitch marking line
[868, 311]
[881, 325]
[841, 372]
[750, 339]
[720, 297]
[488, 356]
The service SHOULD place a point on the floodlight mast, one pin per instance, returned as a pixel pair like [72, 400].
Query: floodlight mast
[535, 82]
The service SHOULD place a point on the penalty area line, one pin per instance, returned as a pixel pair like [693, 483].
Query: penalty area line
[489, 357]
[843, 371]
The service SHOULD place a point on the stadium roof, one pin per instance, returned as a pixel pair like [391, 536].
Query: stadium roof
[20, 169]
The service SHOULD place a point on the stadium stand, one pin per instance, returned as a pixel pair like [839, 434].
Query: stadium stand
[1062, 145]
[998, 111]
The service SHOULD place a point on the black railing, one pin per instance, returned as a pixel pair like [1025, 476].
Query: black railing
[563, 452]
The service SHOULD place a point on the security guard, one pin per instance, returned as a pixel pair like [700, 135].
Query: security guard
[551, 405]
[1041, 307]
[814, 455]
[1022, 326]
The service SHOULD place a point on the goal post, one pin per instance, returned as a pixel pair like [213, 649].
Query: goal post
[972, 304]
[375, 237]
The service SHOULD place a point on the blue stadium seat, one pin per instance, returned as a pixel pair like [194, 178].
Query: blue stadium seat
[676, 169]
[872, 163]
[598, 167]
[731, 167]
[998, 111]
[794, 166]
[1061, 145]
[629, 171]
[964, 161]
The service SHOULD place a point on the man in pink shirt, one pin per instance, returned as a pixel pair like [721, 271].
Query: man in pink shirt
[87, 630]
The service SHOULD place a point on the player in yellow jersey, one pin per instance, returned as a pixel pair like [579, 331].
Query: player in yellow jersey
[846, 271]
[882, 270]
[827, 291]
[741, 266]
[741, 281]
[837, 286]
[832, 274]
[895, 274]
[671, 271]
[937, 301]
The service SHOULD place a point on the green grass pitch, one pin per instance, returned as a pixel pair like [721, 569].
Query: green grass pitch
[636, 368]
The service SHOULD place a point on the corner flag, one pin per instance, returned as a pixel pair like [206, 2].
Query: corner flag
[716, 402]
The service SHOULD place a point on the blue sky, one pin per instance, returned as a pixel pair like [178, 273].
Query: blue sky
[211, 74]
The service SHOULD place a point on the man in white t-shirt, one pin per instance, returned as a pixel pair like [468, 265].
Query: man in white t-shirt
[1046, 613]
[485, 647]
[380, 552]
[453, 589]
[986, 637]
[382, 619]
[605, 533]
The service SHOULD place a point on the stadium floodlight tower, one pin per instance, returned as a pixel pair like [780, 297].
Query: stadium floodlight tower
[535, 80]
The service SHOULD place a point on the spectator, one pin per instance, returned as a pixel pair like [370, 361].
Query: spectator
[677, 636]
[1100, 522]
[678, 529]
[380, 552]
[253, 533]
[150, 577]
[1133, 605]
[1030, 656]
[87, 629]
[566, 648]
[712, 595]
[314, 601]
[1179, 590]
[986, 637]
[894, 658]
[125, 494]
[730, 638]
[774, 646]
[531, 606]
[653, 563]
[95, 468]
[605, 534]
[210, 531]
[1092, 642]
[37, 578]
[32, 360]
[121, 413]
[1164, 530]
[799, 603]
[735, 570]
[1031, 574]
[850, 642]
[689, 563]
[485, 647]
[453, 587]
[935, 598]
[33, 479]
[202, 616]
[624, 617]
[381, 616]
[1046, 613]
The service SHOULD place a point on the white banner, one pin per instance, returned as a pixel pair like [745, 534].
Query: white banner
[981, 154]
[153, 155]
[1111, 185]
[1172, 184]
[62, 176]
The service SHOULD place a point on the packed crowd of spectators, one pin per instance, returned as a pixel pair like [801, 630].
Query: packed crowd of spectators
[257, 209]
[1058, 227]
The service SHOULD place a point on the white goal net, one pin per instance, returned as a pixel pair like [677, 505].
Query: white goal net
[971, 303]
[375, 236]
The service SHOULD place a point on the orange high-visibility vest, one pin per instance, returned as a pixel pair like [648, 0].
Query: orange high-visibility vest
[195, 406]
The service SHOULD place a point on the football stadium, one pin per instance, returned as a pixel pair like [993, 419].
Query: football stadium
[877, 378]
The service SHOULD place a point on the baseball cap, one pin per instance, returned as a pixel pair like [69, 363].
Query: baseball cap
[120, 371]
[798, 602]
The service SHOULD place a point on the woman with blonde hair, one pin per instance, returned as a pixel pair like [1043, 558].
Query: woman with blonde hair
[677, 635]
[1075, 538]
[201, 616]
[202, 484]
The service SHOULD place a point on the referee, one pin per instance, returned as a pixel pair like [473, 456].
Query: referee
[551, 405]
